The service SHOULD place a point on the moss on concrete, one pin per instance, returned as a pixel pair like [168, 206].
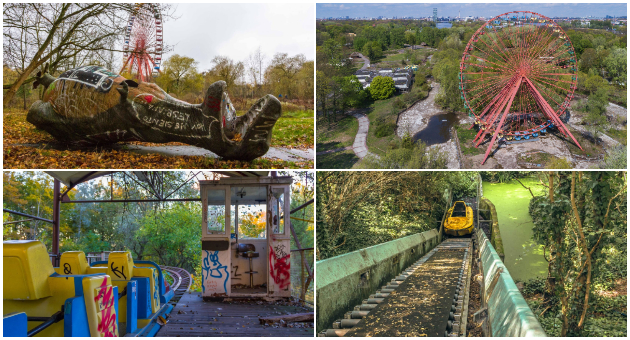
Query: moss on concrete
[343, 281]
[495, 238]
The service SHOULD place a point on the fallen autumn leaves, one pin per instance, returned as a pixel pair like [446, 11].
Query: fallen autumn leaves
[17, 132]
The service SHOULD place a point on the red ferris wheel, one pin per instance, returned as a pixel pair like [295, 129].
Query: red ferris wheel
[143, 45]
[518, 75]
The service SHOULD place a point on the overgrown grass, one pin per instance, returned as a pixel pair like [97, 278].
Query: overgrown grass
[381, 113]
[294, 129]
[620, 135]
[336, 134]
[345, 159]
[589, 149]
[466, 136]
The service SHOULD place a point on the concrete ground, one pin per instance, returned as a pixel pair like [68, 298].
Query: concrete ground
[285, 154]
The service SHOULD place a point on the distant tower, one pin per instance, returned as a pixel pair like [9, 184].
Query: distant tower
[435, 15]
[459, 14]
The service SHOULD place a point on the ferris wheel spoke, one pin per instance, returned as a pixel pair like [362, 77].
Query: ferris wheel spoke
[549, 97]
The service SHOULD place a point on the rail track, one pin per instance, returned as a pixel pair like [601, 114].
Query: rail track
[429, 298]
[181, 282]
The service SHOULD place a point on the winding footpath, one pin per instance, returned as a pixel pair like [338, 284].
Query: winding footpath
[360, 147]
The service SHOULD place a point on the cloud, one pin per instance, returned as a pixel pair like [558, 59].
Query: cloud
[204, 31]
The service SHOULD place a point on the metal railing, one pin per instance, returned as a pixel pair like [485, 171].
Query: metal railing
[302, 286]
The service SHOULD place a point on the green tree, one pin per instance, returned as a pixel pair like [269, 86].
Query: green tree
[382, 88]
[580, 216]
[446, 72]
[616, 65]
[173, 235]
[359, 42]
[588, 59]
[397, 37]
[351, 90]
[180, 76]
[321, 94]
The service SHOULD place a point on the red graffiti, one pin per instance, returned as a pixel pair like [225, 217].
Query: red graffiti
[213, 103]
[280, 269]
[107, 326]
[148, 99]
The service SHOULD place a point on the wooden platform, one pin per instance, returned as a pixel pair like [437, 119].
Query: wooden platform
[194, 317]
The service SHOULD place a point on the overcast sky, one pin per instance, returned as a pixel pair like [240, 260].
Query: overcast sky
[487, 10]
[203, 31]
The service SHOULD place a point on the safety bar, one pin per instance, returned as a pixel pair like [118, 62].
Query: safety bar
[47, 322]
[160, 277]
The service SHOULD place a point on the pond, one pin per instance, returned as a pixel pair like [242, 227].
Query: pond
[437, 130]
[523, 257]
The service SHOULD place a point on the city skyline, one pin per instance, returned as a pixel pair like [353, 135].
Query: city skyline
[421, 10]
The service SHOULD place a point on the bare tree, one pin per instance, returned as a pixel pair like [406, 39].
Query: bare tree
[225, 69]
[255, 64]
[63, 35]
[281, 74]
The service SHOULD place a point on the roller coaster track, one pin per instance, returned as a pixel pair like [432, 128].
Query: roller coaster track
[429, 298]
[181, 283]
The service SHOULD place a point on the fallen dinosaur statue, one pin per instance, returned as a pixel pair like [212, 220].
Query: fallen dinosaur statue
[91, 104]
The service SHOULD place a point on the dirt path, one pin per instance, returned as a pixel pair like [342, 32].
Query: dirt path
[417, 117]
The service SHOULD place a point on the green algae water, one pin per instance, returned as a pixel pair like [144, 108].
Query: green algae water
[523, 257]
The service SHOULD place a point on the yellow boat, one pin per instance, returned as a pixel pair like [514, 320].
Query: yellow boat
[459, 220]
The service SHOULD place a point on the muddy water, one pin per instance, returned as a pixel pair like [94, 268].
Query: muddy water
[437, 130]
[523, 257]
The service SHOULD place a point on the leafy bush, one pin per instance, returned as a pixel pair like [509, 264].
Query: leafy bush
[382, 88]
[410, 156]
[534, 286]
[399, 104]
[384, 130]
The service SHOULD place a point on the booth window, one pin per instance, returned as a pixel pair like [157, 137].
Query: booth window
[278, 210]
[250, 204]
[252, 221]
[216, 211]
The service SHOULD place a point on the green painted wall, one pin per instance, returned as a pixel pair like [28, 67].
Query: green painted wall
[508, 312]
[523, 256]
[495, 231]
[343, 281]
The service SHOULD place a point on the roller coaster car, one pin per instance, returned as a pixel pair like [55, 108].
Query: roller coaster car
[77, 299]
[459, 220]
[39, 300]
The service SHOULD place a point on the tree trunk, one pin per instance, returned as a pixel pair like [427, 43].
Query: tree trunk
[16, 85]
[550, 285]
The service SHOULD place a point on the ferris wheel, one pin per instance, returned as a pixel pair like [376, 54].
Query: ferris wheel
[518, 75]
[143, 44]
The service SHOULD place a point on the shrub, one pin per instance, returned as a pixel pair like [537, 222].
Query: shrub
[399, 104]
[534, 286]
[382, 88]
[384, 130]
